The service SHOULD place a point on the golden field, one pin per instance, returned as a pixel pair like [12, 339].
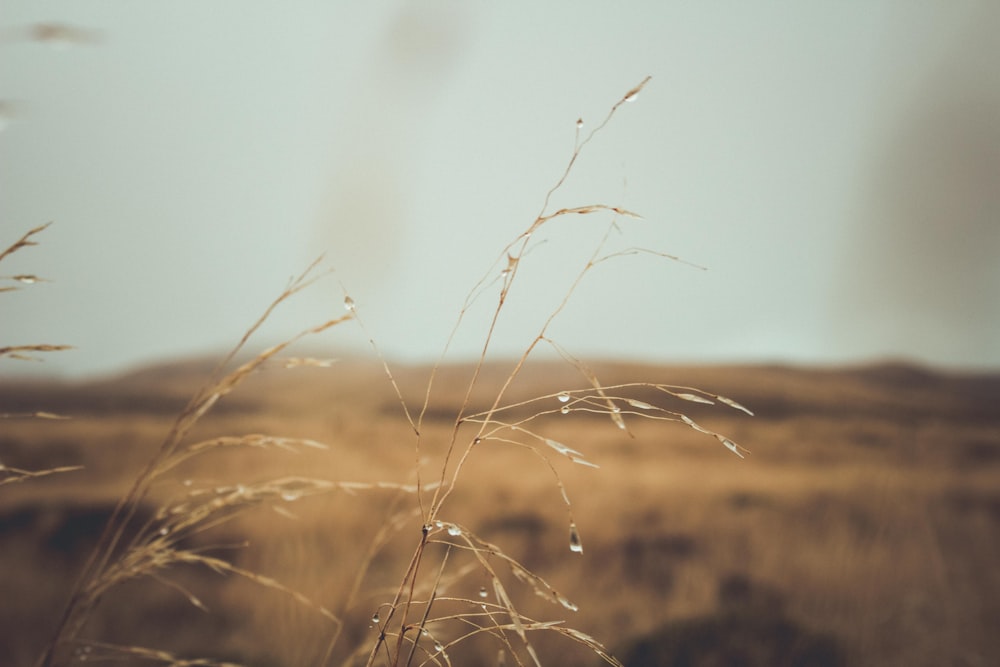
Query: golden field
[863, 528]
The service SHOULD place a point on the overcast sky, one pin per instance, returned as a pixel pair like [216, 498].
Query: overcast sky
[834, 165]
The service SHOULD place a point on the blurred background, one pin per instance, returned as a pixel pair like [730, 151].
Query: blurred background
[833, 165]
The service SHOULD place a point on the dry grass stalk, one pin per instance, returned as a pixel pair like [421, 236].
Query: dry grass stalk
[157, 545]
[25, 353]
[24, 241]
[22, 352]
[10, 475]
[399, 635]
[421, 621]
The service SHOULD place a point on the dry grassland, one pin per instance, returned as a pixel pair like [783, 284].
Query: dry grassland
[863, 528]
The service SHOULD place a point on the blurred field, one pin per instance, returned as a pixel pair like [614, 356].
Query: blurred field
[863, 529]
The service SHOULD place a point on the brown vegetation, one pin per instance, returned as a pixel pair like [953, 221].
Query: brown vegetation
[863, 526]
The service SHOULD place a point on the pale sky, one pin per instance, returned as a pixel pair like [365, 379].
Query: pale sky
[835, 165]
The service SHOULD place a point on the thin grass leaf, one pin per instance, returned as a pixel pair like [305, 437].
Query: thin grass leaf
[13, 475]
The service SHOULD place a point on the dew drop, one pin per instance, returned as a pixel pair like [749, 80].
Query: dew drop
[454, 530]
[424, 633]
[579, 123]
[564, 409]
[616, 410]
[563, 397]
[632, 94]
[482, 592]
[574, 539]
[477, 440]
[164, 531]
[349, 304]
[375, 618]
[290, 496]
[437, 646]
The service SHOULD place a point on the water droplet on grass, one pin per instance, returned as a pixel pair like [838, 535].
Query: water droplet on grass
[564, 409]
[349, 304]
[454, 530]
[574, 539]
[482, 592]
[632, 94]
[563, 397]
[375, 618]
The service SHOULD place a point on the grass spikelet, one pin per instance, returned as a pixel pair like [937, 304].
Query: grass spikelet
[23, 242]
